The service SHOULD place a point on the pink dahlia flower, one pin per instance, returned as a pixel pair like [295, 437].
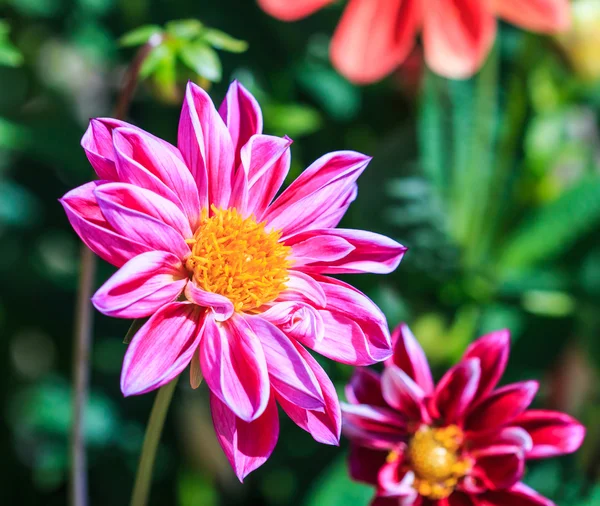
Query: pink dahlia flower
[233, 282]
[375, 36]
[462, 442]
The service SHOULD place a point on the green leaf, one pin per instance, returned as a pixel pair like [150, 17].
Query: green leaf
[135, 326]
[202, 59]
[155, 58]
[221, 40]
[9, 55]
[139, 36]
[184, 29]
[553, 228]
[335, 488]
[294, 120]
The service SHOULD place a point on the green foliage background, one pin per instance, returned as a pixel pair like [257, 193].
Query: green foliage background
[493, 183]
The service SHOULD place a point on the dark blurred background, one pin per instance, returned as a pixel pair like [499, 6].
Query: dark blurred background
[493, 183]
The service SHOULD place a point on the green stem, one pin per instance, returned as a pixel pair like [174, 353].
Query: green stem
[143, 478]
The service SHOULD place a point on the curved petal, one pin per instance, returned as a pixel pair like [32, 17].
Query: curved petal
[373, 427]
[146, 161]
[221, 306]
[502, 406]
[144, 217]
[297, 320]
[410, 357]
[290, 375]
[364, 387]
[512, 436]
[492, 351]
[206, 147]
[142, 286]
[319, 197]
[395, 481]
[457, 36]
[303, 287]
[247, 445]
[162, 348]
[290, 11]
[365, 463]
[89, 223]
[374, 37]
[267, 162]
[356, 331]
[234, 366]
[456, 390]
[242, 115]
[553, 433]
[518, 495]
[342, 251]
[536, 15]
[324, 425]
[499, 467]
[403, 394]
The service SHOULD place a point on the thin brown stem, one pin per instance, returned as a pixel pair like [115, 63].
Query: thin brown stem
[84, 314]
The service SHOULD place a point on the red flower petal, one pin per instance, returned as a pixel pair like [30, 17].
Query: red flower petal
[536, 15]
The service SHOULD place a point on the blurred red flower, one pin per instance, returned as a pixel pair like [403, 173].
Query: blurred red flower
[463, 442]
[375, 36]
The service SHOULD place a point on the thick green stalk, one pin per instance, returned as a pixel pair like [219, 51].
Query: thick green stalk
[143, 478]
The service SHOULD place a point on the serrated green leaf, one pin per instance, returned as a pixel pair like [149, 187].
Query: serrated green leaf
[224, 41]
[10, 56]
[553, 228]
[202, 59]
[154, 59]
[185, 28]
[139, 36]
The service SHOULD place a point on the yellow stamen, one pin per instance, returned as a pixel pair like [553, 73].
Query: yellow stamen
[433, 455]
[237, 258]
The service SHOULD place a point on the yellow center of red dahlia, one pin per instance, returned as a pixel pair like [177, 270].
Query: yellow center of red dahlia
[433, 455]
[236, 257]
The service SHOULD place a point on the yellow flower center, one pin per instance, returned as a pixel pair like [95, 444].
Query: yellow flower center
[237, 258]
[433, 456]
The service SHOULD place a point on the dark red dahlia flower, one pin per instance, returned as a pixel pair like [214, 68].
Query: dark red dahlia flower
[462, 442]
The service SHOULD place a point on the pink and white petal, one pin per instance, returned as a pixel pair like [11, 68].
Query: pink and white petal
[364, 387]
[396, 482]
[97, 143]
[342, 251]
[267, 162]
[552, 433]
[324, 425]
[239, 192]
[374, 427]
[221, 307]
[91, 226]
[356, 331]
[498, 467]
[319, 196]
[297, 320]
[457, 36]
[492, 350]
[303, 287]
[144, 217]
[365, 463]
[242, 115]
[456, 390]
[290, 11]
[513, 436]
[535, 15]
[501, 407]
[162, 348]
[410, 357]
[518, 495]
[142, 286]
[247, 445]
[234, 366]
[374, 37]
[206, 147]
[403, 394]
[291, 377]
[129, 196]
[146, 161]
